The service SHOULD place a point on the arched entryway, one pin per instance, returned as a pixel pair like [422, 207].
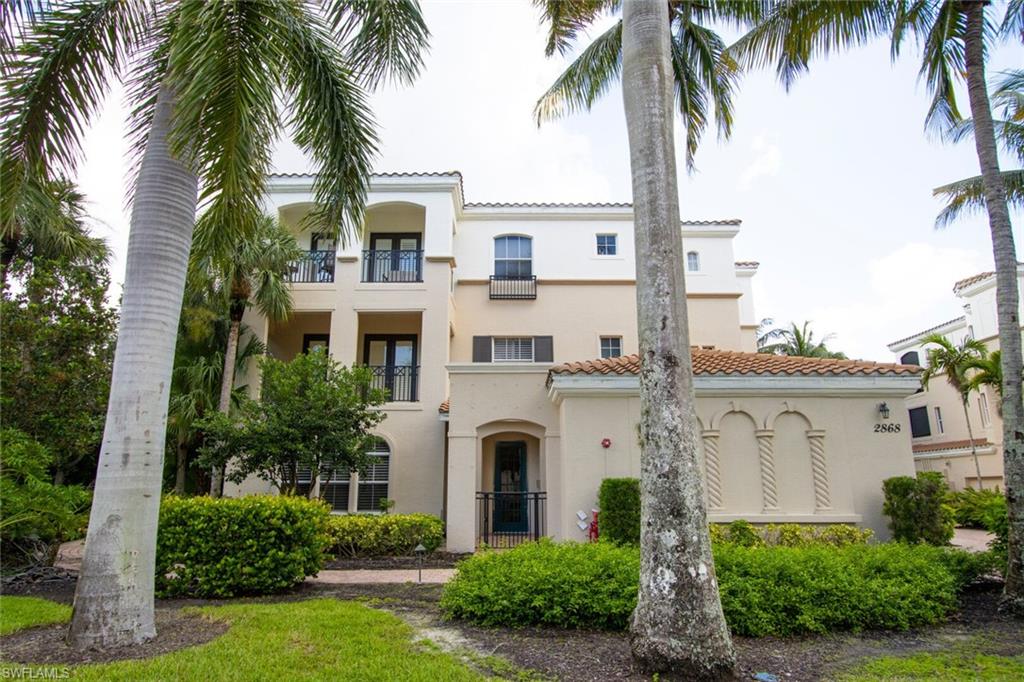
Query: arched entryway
[511, 496]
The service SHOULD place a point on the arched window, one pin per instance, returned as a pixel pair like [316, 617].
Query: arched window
[911, 358]
[513, 257]
[693, 261]
[373, 483]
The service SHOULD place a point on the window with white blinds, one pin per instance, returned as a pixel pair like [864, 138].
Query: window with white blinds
[513, 349]
[373, 483]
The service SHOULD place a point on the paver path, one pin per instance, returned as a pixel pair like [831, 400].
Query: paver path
[971, 539]
[352, 577]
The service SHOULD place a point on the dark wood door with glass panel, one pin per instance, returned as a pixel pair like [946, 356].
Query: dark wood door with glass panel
[394, 257]
[510, 508]
[392, 358]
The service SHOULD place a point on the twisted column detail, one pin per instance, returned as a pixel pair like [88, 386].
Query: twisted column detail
[712, 469]
[766, 456]
[819, 469]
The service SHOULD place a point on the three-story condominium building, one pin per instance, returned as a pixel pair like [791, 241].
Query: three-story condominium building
[506, 337]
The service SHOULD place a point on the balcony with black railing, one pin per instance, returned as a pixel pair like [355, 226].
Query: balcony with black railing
[312, 267]
[392, 265]
[400, 383]
[507, 519]
[513, 287]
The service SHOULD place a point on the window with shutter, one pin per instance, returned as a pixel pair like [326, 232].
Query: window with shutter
[513, 349]
[919, 426]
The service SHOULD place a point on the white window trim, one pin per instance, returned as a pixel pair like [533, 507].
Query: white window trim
[698, 268]
[608, 256]
[360, 481]
[939, 426]
[600, 343]
[986, 416]
[494, 347]
[494, 252]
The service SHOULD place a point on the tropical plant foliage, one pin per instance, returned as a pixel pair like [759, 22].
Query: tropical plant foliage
[55, 360]
[797, 341]
[313, 415]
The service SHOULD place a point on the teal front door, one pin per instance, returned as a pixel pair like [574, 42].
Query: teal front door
[510, 508]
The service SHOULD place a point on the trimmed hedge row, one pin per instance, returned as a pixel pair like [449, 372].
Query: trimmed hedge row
[764, 590]
[619, 518]
[359, 535]
[917, 509]
[238, 546]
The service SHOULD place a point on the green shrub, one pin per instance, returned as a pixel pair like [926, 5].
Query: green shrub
[36, 513]
[765, 590]
[234, 546]
[619, 501]
[568, 584]
[358, 535]
[745, 534]
[973, 507]
[917, 510]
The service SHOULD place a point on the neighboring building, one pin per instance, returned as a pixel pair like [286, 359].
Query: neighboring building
[484, 322]
[937, 421]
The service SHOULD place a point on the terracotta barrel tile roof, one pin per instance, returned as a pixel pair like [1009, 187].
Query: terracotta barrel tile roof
[443, 407]
[974, 279]
[746, 264]
[950, 445]
[709, 362]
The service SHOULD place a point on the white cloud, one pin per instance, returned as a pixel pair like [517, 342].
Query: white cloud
[766, 163]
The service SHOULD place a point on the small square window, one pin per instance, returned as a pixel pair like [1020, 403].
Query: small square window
[611, 346]
[607, 245]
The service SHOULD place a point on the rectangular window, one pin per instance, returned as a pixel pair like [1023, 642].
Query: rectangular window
[513, 349]
[373, 483]
[607, 245]
[919, 426]
[611, 346]
[938, 421]
[986, 418]
[693, 261]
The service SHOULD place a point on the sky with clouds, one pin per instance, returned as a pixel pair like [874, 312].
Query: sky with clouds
[832, 180]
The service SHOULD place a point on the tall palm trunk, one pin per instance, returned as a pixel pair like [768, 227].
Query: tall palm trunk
[227, 382]
[1007, 298]
[114, 599]
[678, 625]
[181, 468]
[970, 437]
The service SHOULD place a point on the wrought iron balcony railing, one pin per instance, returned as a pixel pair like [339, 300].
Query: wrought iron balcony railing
[513, 287]
[395, 265]
[401, 383]
[313, 266]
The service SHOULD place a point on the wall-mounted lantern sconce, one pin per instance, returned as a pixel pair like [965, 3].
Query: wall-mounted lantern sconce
[883, 410]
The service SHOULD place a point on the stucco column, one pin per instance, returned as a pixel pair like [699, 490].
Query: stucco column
[462, 484]
[345, 335]
[551, 456]
[819, 470]
[712, 469]
[766, 457]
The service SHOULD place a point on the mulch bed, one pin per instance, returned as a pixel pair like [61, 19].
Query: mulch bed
[46, 645]
[432, 560]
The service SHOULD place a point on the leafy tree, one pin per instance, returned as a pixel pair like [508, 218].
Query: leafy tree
[252, 272]
[954, 37]
[56, 362]
[678, 625]
[969, 194]
[48, 225]
[34, 513]
[798, 342]
[206, 80]
[313, 414]
[954, 361]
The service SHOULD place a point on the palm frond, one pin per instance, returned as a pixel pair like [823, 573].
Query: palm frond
[331, 120]
[942, 60]
[565, 20]
[383, 39]
[59, 78]
[586, 79]
[1013, 21]
[968, 196]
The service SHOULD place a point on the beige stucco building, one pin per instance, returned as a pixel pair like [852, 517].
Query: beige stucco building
[506, 335]
[939, 426]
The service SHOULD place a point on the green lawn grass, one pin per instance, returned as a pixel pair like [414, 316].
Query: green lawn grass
[959, 664]
[321, 639]
[17, 613]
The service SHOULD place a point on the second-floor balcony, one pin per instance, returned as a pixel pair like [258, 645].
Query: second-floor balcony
[400, 382]
[392, 265]
[313, 266]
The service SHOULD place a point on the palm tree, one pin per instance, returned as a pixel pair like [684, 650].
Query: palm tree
[969, 194]
[251, 273]
[678, 625]
[954, 36]
[206, 79]
[954, 362]
[988, 371]
[799, 342]
[48, 224]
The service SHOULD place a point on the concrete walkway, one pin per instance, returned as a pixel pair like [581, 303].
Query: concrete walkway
[971, 539]
[370, 576]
